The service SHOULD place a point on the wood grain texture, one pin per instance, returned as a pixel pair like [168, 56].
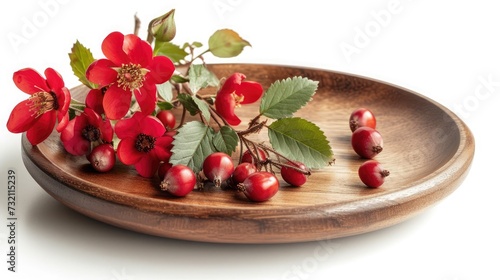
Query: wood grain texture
[426, 147]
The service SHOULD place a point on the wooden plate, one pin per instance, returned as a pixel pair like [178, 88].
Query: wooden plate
[426, 147]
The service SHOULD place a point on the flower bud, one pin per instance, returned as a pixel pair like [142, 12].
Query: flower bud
[163, 27]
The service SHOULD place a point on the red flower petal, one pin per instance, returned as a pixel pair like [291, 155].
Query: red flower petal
[72, 138]
[129, 128]
[116, 102]
[163, 145]
[63, 121]
[137, 50]
[224, 105]
[101, 72]
[146, 97]
[152, 126]
[67, 99]
[127, 153]
[69, 131]
[113, 48]
[160, 69]
[92, 117]
[232, 82]
[54, 79]
[42, 128]
[251, 91]
[20, 119]
[147, 166]
[30, 81]
[106, 131]
[94, 100]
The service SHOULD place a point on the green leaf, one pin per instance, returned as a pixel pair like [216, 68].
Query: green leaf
[226, 43]
[283, 98]
[203, 107]
[301, 140]
[172, 51]
[80, 59]
[197, 45]
[194, 105]
[192, 144]
[226, 140]
[188, 103]
[165, 91]
[179, 79]
[165, 105]
[200, 77]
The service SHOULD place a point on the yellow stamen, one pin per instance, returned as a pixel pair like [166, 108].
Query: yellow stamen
[238, 99]
[42, 102]
[131, 76]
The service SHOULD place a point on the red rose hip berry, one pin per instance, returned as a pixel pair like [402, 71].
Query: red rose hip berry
[372, 173]
[218, 167]
[362, 117]
[242, 171]
[179, 180]
[367, 142]
[102, 158]
[293, 176]
[260, 186]
[167, 118]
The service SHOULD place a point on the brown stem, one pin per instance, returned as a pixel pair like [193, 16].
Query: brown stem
[212, 110]
[183, 118]
[291, 166]
[214, 116]
[253, 129]
[254, 121]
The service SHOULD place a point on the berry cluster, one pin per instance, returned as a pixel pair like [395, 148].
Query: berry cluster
[367, 142]
[247, 177]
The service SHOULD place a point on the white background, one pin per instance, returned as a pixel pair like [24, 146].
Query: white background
[442, 50]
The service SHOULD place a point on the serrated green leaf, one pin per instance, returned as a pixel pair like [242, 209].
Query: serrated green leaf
[203, 107]
[172, 51]
[80, 59]
[226, 140]
[226, 43]
[301, 140]
[165, 91]
[283, 98]
[188, 103]
[194, 105]
[192, 144]
[200, 77]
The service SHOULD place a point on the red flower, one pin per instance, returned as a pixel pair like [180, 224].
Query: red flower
[84, 129]
[234, 92]
[47, 105]
[143, 143]
[129, 68]
[94, 99]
